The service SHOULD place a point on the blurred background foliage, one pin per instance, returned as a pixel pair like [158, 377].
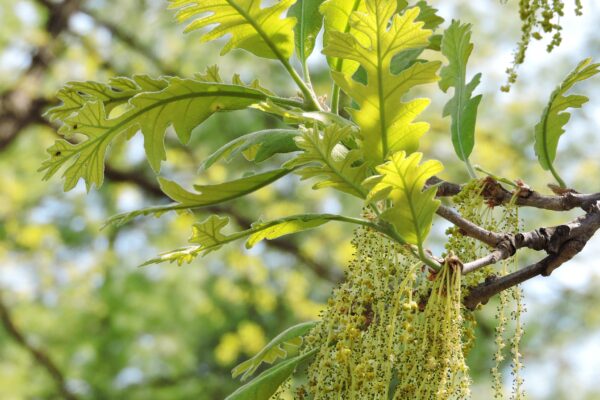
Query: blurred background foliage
[79, 320]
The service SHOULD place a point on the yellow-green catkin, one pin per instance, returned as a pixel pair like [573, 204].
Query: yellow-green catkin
[471, 205]
[367, 320]
[539, 18]
[432, 361]
[511, 298]
[393, 329]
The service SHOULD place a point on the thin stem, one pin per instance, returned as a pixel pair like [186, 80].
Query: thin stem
[306, 73]
[470, 169]
[496, 177]
[560, 181]
[309, 97]
[335, 99]
[431, 263]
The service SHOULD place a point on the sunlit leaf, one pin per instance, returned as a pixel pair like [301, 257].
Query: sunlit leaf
[152, 112]
[325, 157]
[260, 31]
[273, 229]
[118, 91]
[402, 180]
[208, 237]
[336, 15]
[310, 22]
[214, 194]
[385, 121]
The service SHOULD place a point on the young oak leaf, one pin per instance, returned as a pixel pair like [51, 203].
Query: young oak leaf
[325, 157]
[310, 22]
[152, 112]
[256, 146]
[551, 126]
[266, 384]
[386, 123]
[208, 237]
[275, 349]
[208, 195]
[402, 180]
[258, 30]
[457, 47]
[118, 91]
[336, 15]
[215, 194]
[173, 105]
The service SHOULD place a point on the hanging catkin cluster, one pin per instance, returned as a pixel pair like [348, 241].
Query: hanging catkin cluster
[539, 18]
[391, 330]
[471, 204]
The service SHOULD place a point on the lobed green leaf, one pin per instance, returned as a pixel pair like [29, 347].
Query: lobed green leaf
[402, 180]
[275, 349]
[208, 237]
[326, 158]
[215, 194]
[386, 123]
[457, 47]
[181, 103]
[551, 126]
[310, 22]
[267, 383]
[258, 30]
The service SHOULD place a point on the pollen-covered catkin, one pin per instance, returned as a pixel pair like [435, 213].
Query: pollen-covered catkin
[539, 18]
[393, 329]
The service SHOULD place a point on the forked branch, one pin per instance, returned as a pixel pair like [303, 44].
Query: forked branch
[561, 242]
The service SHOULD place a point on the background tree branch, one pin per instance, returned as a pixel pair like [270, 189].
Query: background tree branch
[41, 357]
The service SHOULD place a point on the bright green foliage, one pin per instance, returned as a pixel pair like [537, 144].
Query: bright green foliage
[215, 194]
[275, 349]
[208, 233]
[326, 157]
[336, 14]
[208, 237]
[457, 47]
[402, 180]
[118, 91]
[158, 110]
[310, 22]
[273, 229]
[88, 156]
[551, 126]
[385, 121]
[258, 30]
[208, 195]
[267, 383]
[152, 112]
[256, 146]
[428, 15]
